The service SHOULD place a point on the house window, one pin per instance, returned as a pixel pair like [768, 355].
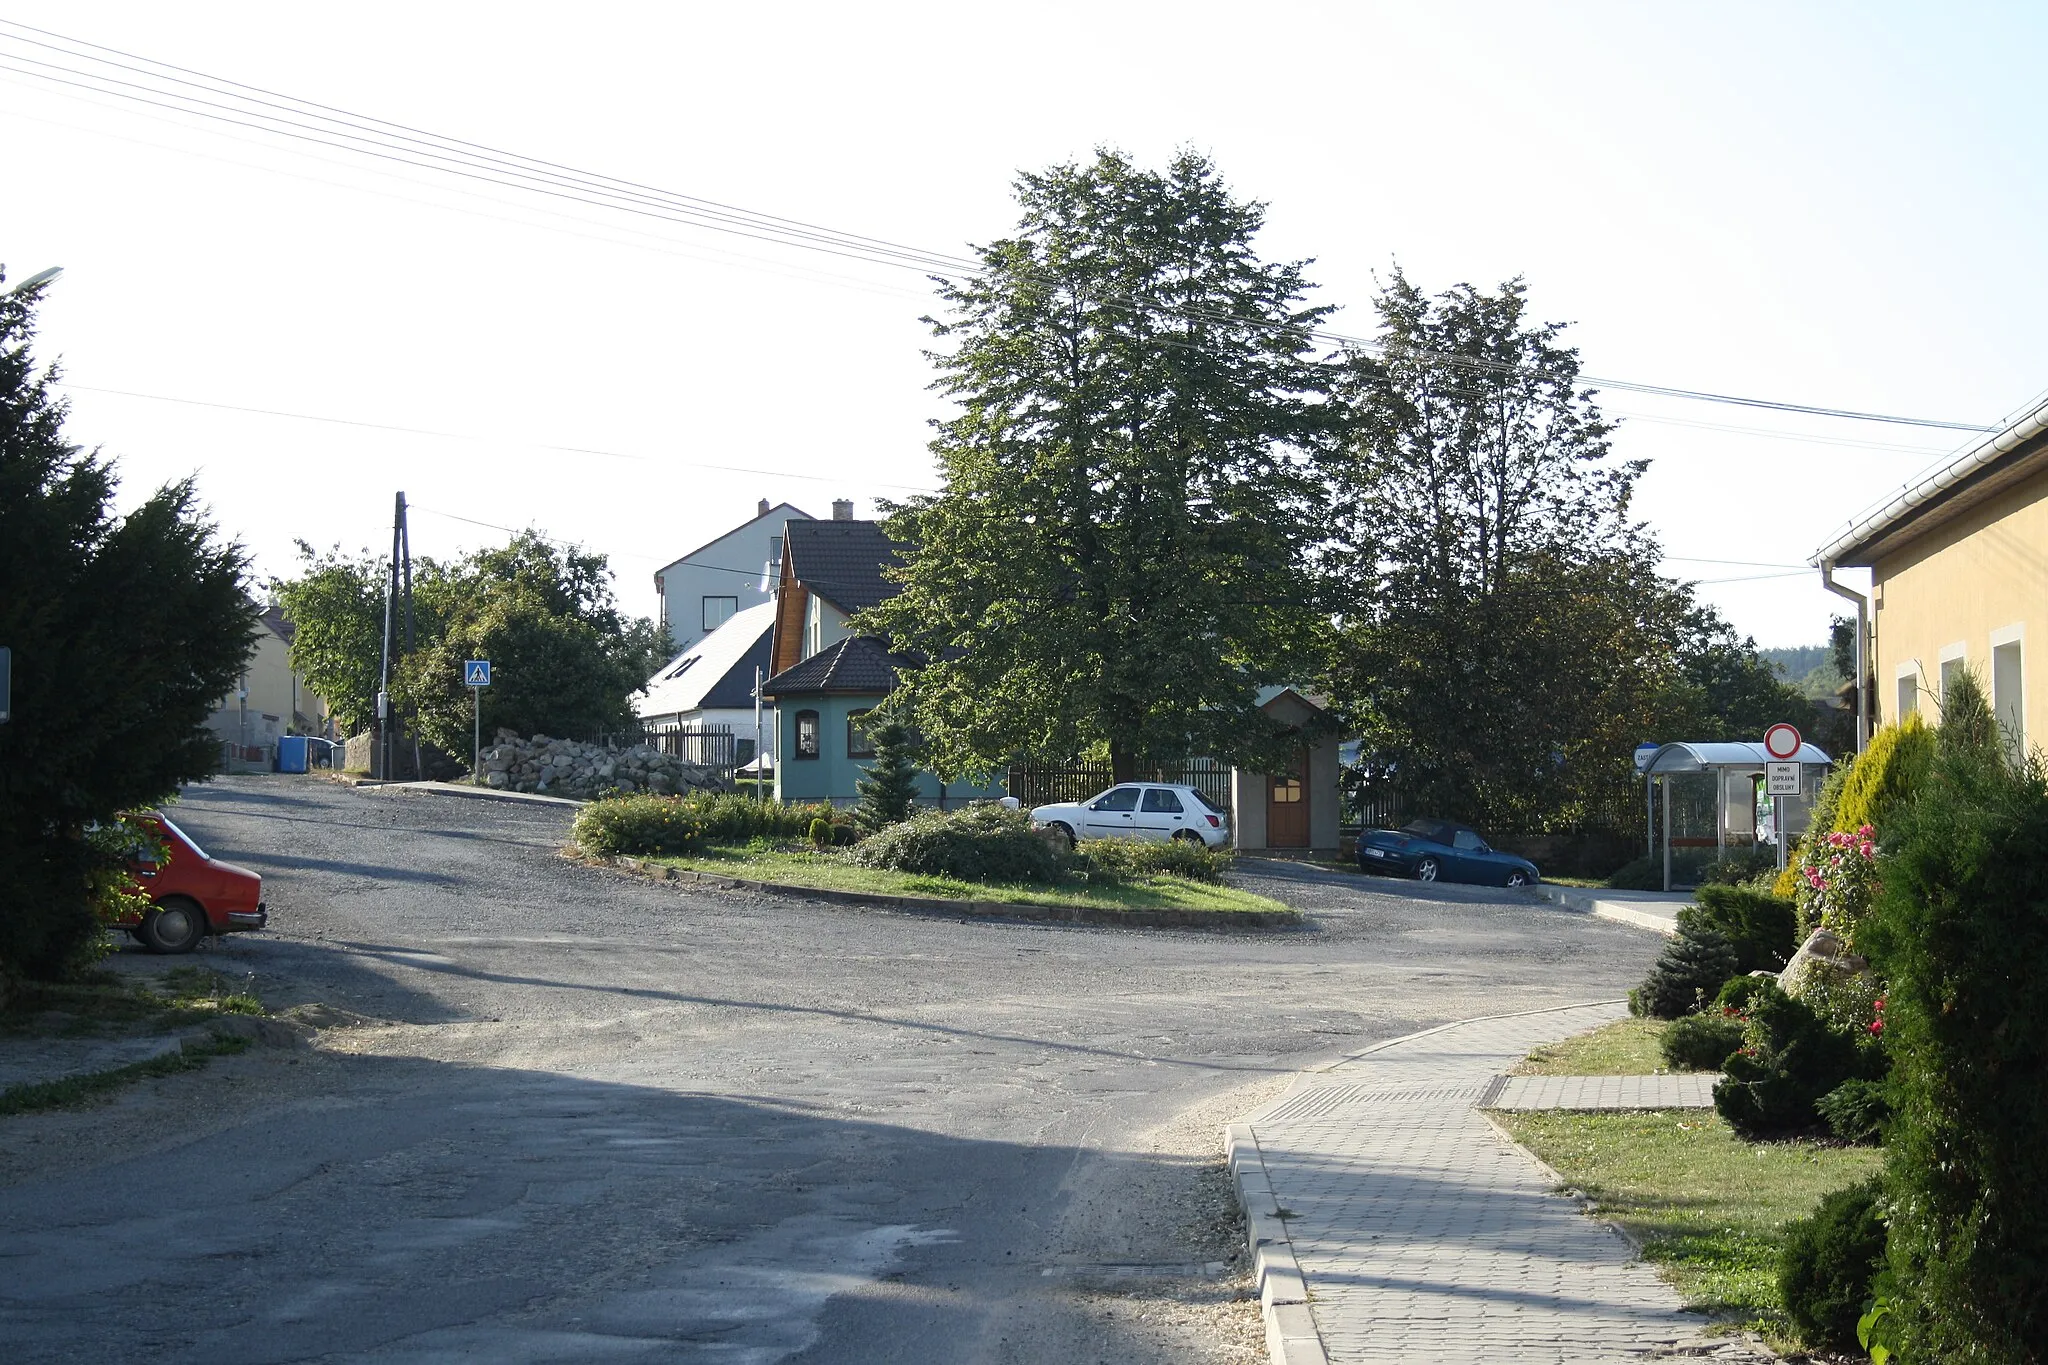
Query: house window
[807, 734]
[1953, 662]
[859, 743]
[1286, 790]
[719, 610]
[2008, 696]
[1909, 693]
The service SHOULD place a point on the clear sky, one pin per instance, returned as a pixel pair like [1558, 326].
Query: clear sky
[1829, 204]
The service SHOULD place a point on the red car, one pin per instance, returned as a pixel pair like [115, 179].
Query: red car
[191, 895]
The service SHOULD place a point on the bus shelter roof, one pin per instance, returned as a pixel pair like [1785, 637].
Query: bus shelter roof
[1698, 758]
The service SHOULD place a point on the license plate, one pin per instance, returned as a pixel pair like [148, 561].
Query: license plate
[1375, 853]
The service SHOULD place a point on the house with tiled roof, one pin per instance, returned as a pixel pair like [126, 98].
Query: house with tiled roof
[270, 700]
[824, 678]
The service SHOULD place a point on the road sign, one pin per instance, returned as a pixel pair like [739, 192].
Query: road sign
[476, 673]
[1781, 779]
[1782, 741]
[1646, 751]
[6, 683]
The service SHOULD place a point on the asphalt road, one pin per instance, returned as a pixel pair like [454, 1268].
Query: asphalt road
[599, 1119]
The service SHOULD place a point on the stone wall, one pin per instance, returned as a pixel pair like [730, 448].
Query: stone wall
[562, 767]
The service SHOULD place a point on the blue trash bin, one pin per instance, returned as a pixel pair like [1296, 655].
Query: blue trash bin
[291, 754]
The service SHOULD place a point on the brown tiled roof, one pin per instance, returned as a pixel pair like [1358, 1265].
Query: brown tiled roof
[859, 664]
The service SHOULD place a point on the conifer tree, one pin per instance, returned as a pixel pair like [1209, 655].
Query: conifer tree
[889, 787]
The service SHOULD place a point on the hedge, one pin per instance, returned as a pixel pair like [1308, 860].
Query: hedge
[983, 843]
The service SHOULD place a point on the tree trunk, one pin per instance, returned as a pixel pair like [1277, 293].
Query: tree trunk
[1123, 764]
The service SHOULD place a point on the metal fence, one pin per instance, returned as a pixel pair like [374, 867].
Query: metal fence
[1039, 784]
[713, 746]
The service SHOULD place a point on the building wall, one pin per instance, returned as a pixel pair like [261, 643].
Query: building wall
[739, 720]
[275, 694]
[730, 566]
[1956, 594]
[832, 774]
[1249, 792]
[824, 625]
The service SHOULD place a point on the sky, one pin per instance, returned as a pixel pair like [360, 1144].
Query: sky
[1835, 205]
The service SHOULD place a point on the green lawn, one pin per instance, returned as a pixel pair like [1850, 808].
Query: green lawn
[832, 872]
[1709, 1208]
[1627, 1047]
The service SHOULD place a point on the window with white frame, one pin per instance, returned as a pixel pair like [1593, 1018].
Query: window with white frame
[719, 610]
[1908, 691]
[2009, 689]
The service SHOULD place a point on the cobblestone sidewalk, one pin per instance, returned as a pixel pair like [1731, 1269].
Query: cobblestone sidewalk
[1423, 1235]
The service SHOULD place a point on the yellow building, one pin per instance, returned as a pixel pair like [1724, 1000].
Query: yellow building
[1959, 579]
[270, 699]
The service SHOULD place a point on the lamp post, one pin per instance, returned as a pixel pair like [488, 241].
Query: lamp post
[40, 277]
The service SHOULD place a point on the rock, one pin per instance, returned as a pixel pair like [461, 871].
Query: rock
[1823, 957]
[496, 778]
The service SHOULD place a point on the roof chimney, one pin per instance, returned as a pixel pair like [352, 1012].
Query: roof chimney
[842, 509]
[764, 508]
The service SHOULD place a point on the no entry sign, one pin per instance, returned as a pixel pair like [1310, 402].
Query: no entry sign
[1782, 741]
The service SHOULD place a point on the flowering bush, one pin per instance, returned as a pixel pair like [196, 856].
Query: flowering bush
[1840, 871]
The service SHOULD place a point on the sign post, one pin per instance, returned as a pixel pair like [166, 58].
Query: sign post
[476, 676]
[1781, 778]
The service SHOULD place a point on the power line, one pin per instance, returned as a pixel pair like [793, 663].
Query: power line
[366, 135]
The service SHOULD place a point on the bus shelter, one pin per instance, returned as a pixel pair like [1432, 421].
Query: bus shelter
[1714, 797]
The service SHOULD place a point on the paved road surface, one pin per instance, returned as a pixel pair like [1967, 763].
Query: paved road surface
[602, 1119]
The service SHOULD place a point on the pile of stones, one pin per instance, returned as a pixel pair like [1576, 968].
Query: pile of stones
[563, 767]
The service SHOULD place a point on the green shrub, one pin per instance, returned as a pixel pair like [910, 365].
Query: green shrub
[729, 818]
[1828, 1264]
[1124, 859]
[645, 826]
[1700, 1042]
[888, 789]
[1789, 1058]
[1760, 927]
[1638, 874]
[821, 833]
[1688, 973]
[1856, 1110]
[1960, 934]
[984, 843]
[1738, 868]
[1738, 991]
[1867, 790]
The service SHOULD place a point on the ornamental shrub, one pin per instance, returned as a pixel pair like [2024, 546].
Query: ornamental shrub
[981, 843]
[1758, 926]
[1688, 973]
[888, 789]
[1960, 934]
[1828, 1263]
[1114, 860]
[730, 818]
[641, 825]
[1701, 1042]
[1789, 1058]
[1856, 1110]
[1866, 791]
[821, 833]
[1735, 995]
[1840, 872]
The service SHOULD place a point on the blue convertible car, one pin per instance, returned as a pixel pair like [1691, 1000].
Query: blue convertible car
[1437, 850]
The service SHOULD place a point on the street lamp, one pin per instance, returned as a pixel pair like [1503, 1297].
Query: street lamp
[40, 277]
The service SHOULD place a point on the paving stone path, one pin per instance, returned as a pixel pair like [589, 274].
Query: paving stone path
[1423, 1234]
[1693, 1090]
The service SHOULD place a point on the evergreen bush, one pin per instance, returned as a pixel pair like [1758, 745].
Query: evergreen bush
[1960, 934]
[888, 788]
[1761, 928]
[1789, 1058]
[730, 818]
[1690, 970]
[1735, 995]
[821, 833]
[1856, 1110]
[1828, 1263]
[645, 826]
[982, 843]
[1700, 1042]
[1122, 859]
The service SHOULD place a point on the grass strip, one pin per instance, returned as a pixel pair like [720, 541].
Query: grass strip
[832, 872]
[1627, 1047]
[1708, 1208]
[69, 1091]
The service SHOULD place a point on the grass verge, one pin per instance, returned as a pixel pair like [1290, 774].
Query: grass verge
[65, 1092]
[103, 1003]
[1627, 1047]
[1709, 1209]
[831, 872]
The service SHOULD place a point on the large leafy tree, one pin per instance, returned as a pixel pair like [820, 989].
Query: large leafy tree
[336, 606]
[126, 632]
[1505, 638]
[1114, 562]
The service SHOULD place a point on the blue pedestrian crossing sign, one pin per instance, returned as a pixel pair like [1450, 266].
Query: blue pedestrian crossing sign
[476, 673]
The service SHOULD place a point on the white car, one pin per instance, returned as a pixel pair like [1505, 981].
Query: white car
[1138, 810]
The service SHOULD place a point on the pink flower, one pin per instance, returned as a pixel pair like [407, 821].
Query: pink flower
[1864, 832]
[1877, 1026]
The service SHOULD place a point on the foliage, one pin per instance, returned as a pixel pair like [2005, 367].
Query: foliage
[1125, 859]
[1116, 557]
[1856, 1110]
[1735, 995]
[1884, 775]
[1829, 1262]
[336, 607]
[640, 825]
[1856, 799]
[1789, 1058]
[126, 631]
[1688, 972]
[730, 818]
[1700, 1042]
[1736, 869]
[1960, 934]
[1757, 925]
[888, 788]
[821, 832]
[981, 843]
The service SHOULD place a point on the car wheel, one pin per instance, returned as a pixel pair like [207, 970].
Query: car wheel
[1187, 836]
[1427, 870]
[1065, 831]
[1518, 878]
[174, 926]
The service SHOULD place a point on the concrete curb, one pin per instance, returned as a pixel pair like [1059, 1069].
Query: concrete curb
[1291, 1335]
[469, 793]
[1600, 907]
[1264, 921]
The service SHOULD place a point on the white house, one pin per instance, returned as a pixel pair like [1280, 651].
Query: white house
[270, 699]
[715, 582]
[710, 685]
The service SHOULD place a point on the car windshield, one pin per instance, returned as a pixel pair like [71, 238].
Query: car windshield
[1203, 797]
[1436, 831]
[182, 836]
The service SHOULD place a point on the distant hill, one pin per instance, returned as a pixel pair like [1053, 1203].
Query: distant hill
[1810, 668]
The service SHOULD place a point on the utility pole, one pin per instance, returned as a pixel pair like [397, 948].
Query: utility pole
[401, 563]
[760, 768]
